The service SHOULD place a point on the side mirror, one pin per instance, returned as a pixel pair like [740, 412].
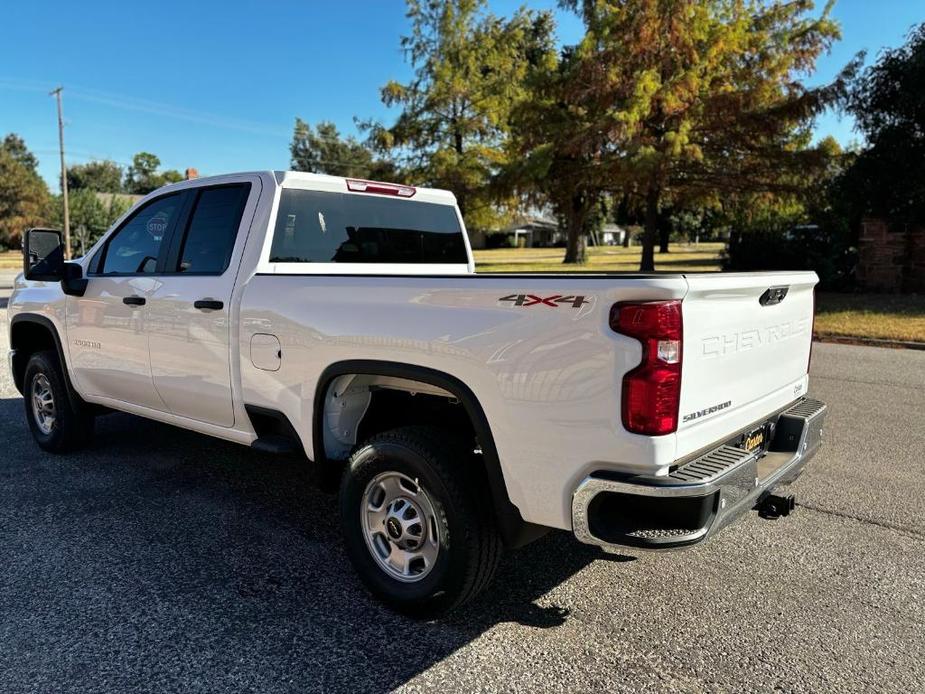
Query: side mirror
[73, 283]
[43, 255]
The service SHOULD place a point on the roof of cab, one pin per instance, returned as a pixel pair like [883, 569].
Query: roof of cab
[314, 181]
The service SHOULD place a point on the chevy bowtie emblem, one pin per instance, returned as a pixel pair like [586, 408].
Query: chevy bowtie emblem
[773, 295]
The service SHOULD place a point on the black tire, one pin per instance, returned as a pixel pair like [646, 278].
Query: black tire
[469, 543]
[72, 425]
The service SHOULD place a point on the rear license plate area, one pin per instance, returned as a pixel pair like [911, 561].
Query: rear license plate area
[756, 440]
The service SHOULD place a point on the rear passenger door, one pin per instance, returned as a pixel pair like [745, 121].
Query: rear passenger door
[189, 311]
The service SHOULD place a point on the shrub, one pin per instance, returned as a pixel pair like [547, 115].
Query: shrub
[807, 247]
[499, 240]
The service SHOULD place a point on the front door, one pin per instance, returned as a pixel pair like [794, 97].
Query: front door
[189, 310]
[107, 326]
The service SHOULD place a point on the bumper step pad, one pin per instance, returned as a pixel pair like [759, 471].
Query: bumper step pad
[710, 466]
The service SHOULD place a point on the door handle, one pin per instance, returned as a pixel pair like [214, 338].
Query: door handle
[208, 304]
[133, 300]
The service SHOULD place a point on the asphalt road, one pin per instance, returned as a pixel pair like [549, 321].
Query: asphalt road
[160, 561]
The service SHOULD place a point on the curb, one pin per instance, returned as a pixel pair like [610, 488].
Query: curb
[868, 341]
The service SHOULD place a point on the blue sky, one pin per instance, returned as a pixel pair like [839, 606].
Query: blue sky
[217, 85]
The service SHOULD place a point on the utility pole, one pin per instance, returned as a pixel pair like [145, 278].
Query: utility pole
[67, 218]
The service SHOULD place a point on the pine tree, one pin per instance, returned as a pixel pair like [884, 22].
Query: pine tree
[469, 69]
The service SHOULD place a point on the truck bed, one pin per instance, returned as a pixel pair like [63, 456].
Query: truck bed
[539, 352]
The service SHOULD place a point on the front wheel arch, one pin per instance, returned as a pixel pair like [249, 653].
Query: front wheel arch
[29, 334]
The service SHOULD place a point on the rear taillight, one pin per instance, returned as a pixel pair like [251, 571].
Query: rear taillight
[652, 390]
[360, 186]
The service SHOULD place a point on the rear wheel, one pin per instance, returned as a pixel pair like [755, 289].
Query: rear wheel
[58, 425]
[413, 525]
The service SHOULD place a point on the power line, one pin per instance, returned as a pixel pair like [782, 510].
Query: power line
[83, 155]
[152, 107]
[158, 108]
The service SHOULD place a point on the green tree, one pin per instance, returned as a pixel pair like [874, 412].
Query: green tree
[677, 100]
[98, 176]
[15, 146]
[548, 158]
[469, 69]
[169, 176]
[322, 150]
[143, 176]
[887, 178]
[24, 198]
[806, 228]
[91, 214]
[140, 176]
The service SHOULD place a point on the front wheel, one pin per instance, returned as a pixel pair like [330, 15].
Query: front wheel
[58, 425]
[416, 523]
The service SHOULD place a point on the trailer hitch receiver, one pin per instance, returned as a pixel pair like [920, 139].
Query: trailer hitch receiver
[774, 506]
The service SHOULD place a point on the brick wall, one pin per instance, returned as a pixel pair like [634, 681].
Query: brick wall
[914, 276]
[891, 257]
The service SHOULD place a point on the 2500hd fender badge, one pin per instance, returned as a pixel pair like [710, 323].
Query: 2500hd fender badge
[554, 301]
[690, 417]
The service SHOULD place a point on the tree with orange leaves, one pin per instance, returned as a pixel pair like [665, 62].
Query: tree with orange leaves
[676, 100]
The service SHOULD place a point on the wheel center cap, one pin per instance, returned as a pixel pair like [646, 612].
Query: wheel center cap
[393, 528]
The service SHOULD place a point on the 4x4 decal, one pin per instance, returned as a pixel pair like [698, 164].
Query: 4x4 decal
[554, 301]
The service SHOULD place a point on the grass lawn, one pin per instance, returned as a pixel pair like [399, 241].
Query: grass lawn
[702, 258]
[10, 260]
[880, 316]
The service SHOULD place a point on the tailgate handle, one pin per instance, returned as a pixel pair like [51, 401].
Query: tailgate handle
[773, 295]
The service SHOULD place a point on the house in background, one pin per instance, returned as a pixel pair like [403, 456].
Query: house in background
[542, 231]
[129, 199]
[610, 235]
[107, 199]
[536, 231]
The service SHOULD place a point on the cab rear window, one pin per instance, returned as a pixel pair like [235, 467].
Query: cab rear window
[322, 227]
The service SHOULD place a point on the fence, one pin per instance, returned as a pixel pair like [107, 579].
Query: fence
[891, 257]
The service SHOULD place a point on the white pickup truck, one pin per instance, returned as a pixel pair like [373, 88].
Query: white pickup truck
[342, 320]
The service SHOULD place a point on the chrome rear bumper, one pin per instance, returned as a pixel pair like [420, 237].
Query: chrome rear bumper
[700, 497]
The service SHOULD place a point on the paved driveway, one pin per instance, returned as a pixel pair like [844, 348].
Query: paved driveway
[160, 560]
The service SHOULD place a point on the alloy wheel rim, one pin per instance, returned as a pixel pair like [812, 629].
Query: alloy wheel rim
[400, 526]
[43, 404]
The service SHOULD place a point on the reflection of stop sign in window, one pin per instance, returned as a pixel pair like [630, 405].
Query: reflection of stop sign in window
[157, 225]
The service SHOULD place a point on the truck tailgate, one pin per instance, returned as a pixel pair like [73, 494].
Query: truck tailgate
[747, 340]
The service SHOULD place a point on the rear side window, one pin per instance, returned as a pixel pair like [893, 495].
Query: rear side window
[134, 248]
[212, 229]
[320, 227]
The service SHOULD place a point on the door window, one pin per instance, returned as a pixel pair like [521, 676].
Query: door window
[210, 235]
[135, 247]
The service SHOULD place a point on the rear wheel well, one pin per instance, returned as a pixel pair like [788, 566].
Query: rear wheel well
[359, 406]
[358, 399]
[391, 409]
[26, 338]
